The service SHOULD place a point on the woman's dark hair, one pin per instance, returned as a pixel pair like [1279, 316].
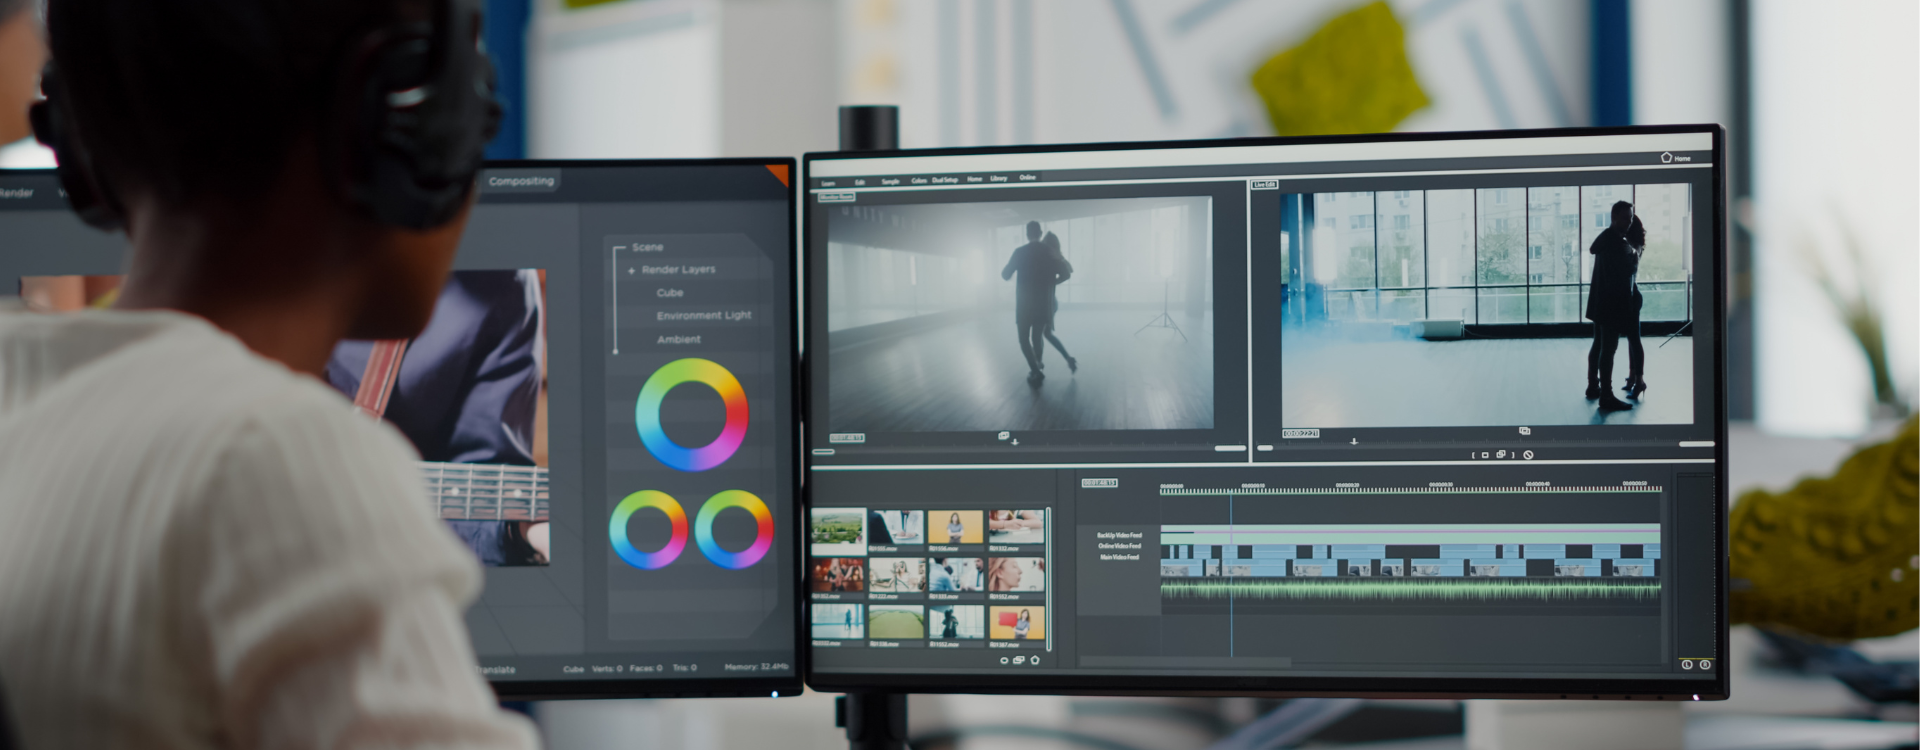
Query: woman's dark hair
[189, 99]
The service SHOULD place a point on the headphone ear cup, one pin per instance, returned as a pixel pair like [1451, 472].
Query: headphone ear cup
[77, 179]
[420, 126]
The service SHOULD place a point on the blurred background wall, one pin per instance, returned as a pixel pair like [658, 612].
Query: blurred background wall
[1819, 99]
[689, 78]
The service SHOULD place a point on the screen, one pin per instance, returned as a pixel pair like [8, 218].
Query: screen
[603, 403]
[1426, 414]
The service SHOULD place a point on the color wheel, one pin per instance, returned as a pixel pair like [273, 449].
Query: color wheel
[646, 414]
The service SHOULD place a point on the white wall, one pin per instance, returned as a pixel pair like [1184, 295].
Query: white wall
[681, 79]
[625, 80]
[778, 92]
[956, 67]
[1682, 62]
[1837, 141]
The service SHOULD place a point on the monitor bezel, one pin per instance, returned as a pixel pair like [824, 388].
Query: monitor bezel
[745, 687]
[1361, 687]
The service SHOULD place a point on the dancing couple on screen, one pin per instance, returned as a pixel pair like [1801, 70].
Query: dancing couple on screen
[1613, 304]
[1041, 267]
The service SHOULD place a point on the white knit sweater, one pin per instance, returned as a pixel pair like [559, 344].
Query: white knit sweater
[200, 548]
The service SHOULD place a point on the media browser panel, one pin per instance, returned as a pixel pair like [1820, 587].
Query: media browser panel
[603, 402]
[1413, 414]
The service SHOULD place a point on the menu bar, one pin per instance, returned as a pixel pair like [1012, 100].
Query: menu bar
[1653, 159]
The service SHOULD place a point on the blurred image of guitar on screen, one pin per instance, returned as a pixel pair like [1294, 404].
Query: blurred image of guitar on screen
[469, 393]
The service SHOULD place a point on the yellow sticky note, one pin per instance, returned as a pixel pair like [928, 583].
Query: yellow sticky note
[1351, 76]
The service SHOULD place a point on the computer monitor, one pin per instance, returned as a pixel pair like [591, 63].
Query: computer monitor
[1295, 416]
[604, 402]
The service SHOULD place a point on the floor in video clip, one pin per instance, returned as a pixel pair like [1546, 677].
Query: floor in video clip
[1419, 383]
[971, 376]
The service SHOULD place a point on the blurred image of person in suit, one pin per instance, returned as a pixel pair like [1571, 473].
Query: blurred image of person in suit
[1613, 304]
[467, 392]
[1033, 297]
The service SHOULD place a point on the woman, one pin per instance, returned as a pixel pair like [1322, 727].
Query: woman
[1063, 271]
[1003, 574]
[1636, 354]
[220, 550]
[1025, 624]
[955, 530]
[1013, 520]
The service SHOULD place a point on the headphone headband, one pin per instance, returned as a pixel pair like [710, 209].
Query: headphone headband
[412, 131]
[424, 118]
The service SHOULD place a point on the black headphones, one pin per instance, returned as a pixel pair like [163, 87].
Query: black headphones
[409, 126]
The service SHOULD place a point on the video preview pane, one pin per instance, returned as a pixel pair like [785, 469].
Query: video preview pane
[1021, 315]
[1453, 308]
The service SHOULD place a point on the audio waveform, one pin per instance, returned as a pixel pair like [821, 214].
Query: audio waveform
[1406, 589]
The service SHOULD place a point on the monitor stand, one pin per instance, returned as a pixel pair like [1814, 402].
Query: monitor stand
[874, 721]
[1574, 725]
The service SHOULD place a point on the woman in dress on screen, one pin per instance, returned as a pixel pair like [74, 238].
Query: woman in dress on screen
[1026, 623]
[1063, 271]
[955, 529]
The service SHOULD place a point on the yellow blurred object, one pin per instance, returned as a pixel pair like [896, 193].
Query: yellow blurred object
[1834, 557]
[1351, 76]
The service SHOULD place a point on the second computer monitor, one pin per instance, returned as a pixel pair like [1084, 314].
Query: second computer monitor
[1431, 414]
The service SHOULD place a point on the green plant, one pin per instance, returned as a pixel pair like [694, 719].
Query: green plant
[1860, 311]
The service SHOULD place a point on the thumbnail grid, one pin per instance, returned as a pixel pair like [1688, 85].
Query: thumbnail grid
[928, 574]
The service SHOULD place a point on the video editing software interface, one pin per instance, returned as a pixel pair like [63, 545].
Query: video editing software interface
[603, 404]
[1318, 410]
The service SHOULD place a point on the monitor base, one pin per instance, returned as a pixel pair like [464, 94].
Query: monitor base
[1574, 725]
